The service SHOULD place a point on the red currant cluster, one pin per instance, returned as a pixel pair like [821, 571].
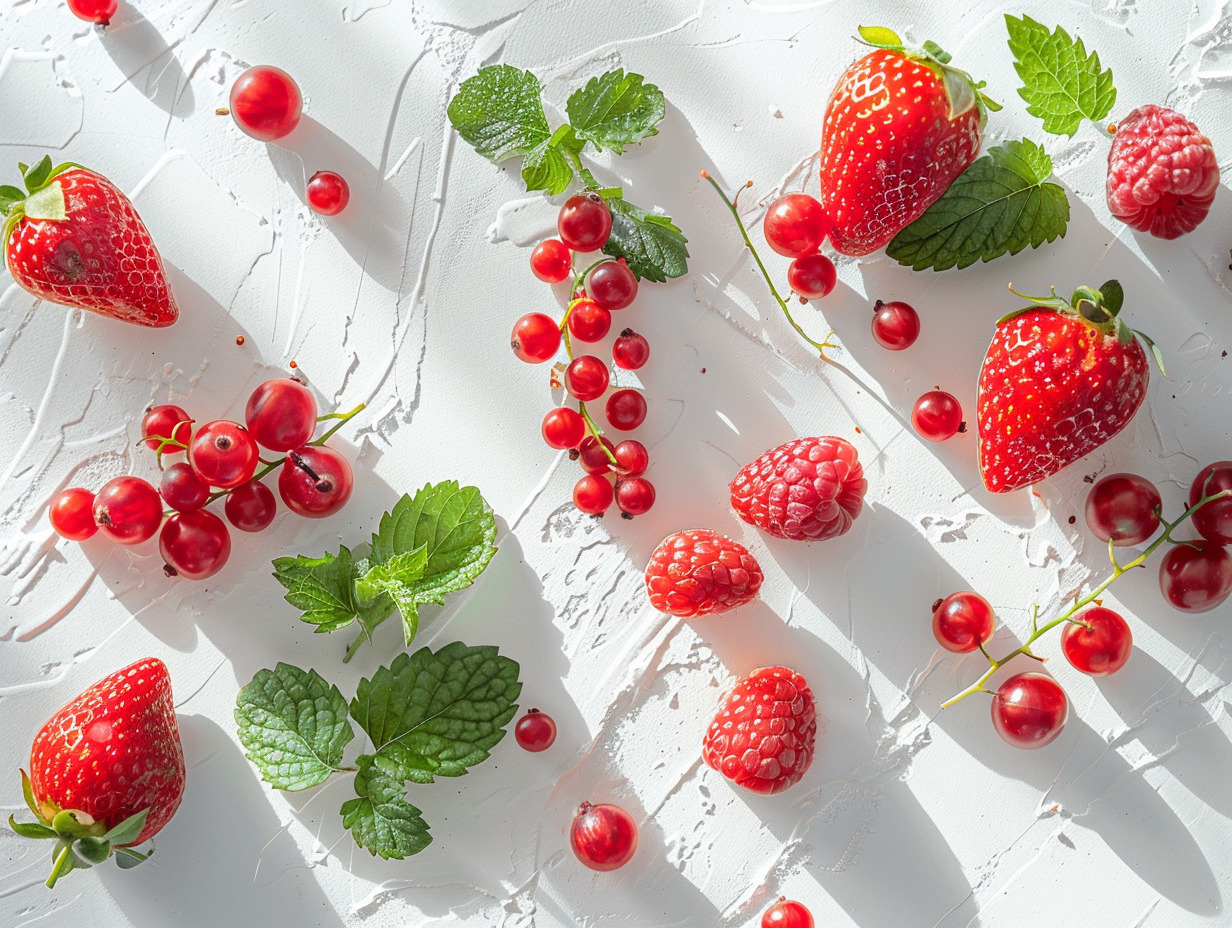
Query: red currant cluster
[314, 480]
[584, 224]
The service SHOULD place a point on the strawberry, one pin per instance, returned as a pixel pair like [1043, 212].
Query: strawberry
[900, 126]
[106, 771]
[700, 572]
[1059, 379]
[74, 239]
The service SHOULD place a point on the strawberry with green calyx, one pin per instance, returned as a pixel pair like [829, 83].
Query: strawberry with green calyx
[71, 237]
[106, 771]
[900, 126]
[1060, 378]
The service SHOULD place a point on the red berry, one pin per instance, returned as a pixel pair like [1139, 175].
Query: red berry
[166, 423]
[223, 454]
[586, 378]
[94, 11]
[634, 496]
[895, 325]
[536, 338]
[1101, 649]
[1123, 508]
[266, 103]
[196, 544]
[962, 622]
[795, 225]
[72, 514]
[182, 489]
[593, 494]
[630, 351]
[604, 837]
[612, 285]
[592, 456]
[1195, 576]
[251, 507]
[632, 458]
[812, 276]
[1029, 710]
[588, 321]
[551, 261]
[937, 416]
[584, 222]
[563, 428]
[1214, 520]
[535, 731]
[787, 914]
[315, 481]
[701, 572]
[625, 410]
[328, 193]
[281, 414]
[128, 510]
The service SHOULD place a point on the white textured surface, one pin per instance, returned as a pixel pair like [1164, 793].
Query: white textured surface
[907, 818]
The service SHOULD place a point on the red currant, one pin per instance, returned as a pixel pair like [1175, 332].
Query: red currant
[551, 261]
[182, 489]
[223, 454]
[1123, 508]
[1100, 649]
[1214, 520]
[592, 494]
[604, 837]
[612, 285]
[626, 410]
[795, 225]
[536, 337]
[166, 423]
[592, 457]
[1029, 710]
[195, 545]
[1195, 576]
[315, 481]
[328, 193]
[962, 622]
[266, 103]
[787, 914]
[584, 222]
[72, 514]
[94, 11]
[812, 276]
[563, 428]
[128, 510]
[281, 414]
[632, 458]
[251, 507]
[937, 416]
[588, 321]
[630, 351]
[634, 496]
[586, 378]
[895, 325]
[535, 731]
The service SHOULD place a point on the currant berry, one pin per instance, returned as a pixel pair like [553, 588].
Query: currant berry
[1214, 520]
[551, 261]
[195, 545]
[588, 321]
[281, 414]
[612, 285]
[128, 510]
[182, 489]
[328, 193]
[1100, 645]
[604, 837]
[251, 507]
[592, 456]
[592, 494]
[535, 731]
[895, 325]
[962, 622]
[795, 225]
[72, 514]
[563, 428]
[812, 277]
[787, 914]
[937, 416]
[1029, 710]
[584, 222]
[630, 351]
[315, 481]
[1195, 576]
[632, 458]
[266, 103]
[223, 454]
[634, 496]
[94, 11]
[625, 410]
[586, 378]
[536, 337]
[166, 423]
[1123, 509]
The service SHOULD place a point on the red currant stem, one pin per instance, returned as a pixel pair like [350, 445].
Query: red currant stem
[1038, 631]
[595, 431]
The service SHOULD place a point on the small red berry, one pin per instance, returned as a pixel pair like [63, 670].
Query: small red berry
[588, 321]
[551, 261]
[634, 495]
[630, 351]
[536, 338]
[625, 410]
[266, 103]
[72, 514]
[586, 378]
[812, 276]
[895, 325]
[328, 193]
[937, 416]
[593, 494]
[535, 731]
[563, 428]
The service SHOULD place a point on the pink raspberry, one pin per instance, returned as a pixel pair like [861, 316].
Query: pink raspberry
[809, 489]
[700, 572]
[1162, 174]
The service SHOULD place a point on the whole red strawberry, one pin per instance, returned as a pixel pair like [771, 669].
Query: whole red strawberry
[106, 771]
[764, 733]
[700, 572]
[1059, 379]
[901, 125]
[809, 489]
[74, 239]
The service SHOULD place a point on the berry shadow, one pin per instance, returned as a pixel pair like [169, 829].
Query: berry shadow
[136, 46]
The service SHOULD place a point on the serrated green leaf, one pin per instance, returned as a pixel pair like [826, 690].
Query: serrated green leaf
[293, 725]
[653, 247]
[399, 578]
[615, 110]
[381, 819]
[499, 111]
[999, 205]
[546, 168]
[1062, 84]
[436, 714]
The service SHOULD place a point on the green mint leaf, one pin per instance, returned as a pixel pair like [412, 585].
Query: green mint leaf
[616, 110]
[293, 726]
[1062, 84]
[398, 578]
[499, 111]
[999, 205]
[381, 819]
[436, 714]
[653, 247]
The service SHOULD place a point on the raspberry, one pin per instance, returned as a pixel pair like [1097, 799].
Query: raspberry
[809, 489]
[700, 572]
[1162, 174]
[763, 735]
